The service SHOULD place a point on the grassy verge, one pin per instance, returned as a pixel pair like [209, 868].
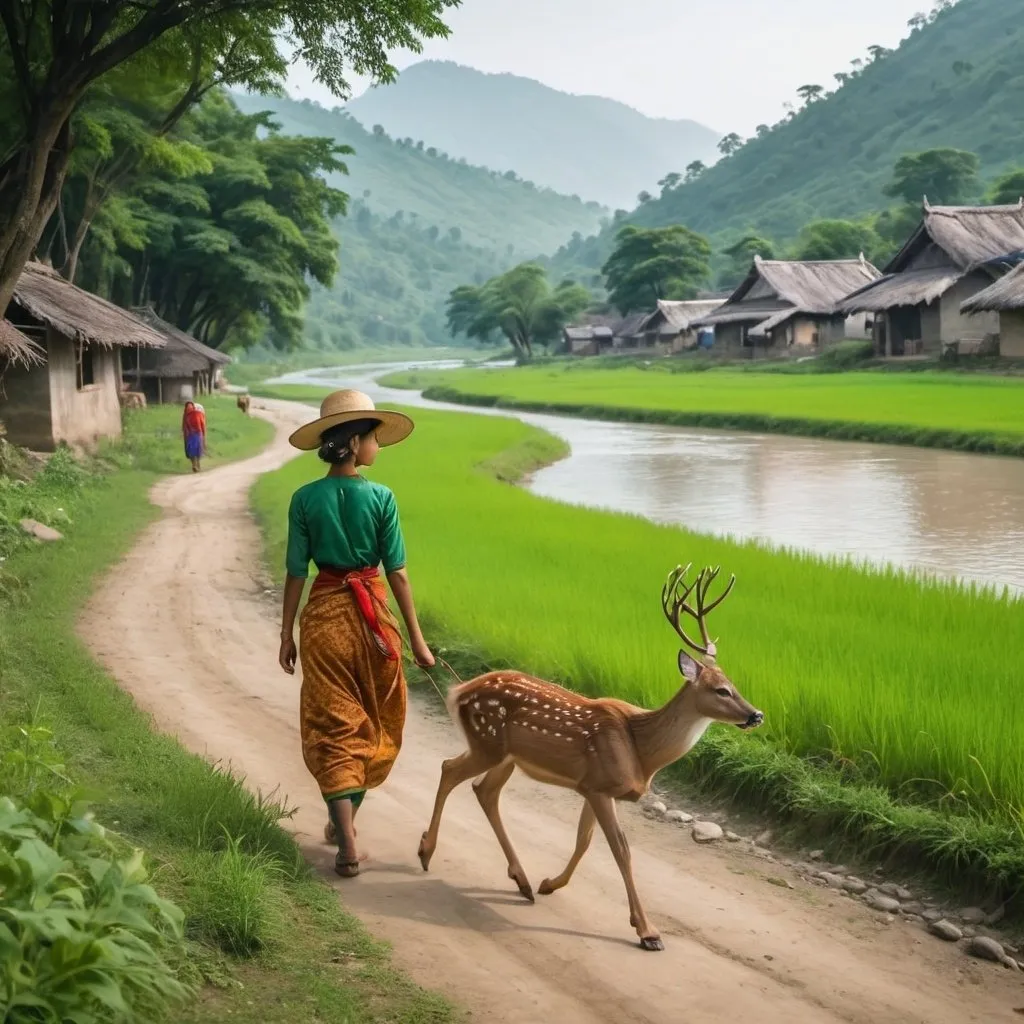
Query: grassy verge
[878, 731]
[266, 941]
[970, 413]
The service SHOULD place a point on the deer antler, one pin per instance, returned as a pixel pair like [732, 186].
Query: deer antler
[675, 597]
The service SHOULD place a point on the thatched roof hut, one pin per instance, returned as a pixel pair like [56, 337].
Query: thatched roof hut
[672, 318]
[77, 314]
[798, 298]
[16, 348]
[1006, 294]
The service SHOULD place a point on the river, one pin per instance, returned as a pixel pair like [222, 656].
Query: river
[948, 514]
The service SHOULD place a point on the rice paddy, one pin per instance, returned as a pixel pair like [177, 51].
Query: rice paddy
[983, 413]
[899, 683]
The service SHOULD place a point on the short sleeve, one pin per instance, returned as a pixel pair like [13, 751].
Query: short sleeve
[298, 553]
[389, 535]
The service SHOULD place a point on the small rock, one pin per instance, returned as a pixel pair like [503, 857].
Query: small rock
[895, 891]
[914, 908]
[886, 904]
[731, 837]
[985, 948]
[40, 531]
[945, 930]
[707, 832]
[816, 855]
[764, 839]
[782, 883]
[831, 880]
[1010, 964]
[679, 817]
[969, 931]
[972, 915]
[656, 807]
[932, 915]
[857, 886]
[1012, 950]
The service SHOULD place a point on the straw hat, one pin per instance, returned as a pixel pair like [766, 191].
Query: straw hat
[344, 407]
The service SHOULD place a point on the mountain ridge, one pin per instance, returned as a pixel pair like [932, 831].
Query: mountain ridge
[558, 139]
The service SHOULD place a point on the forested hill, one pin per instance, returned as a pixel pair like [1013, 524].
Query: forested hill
[486, 208]
[595, 147]
[957, 81]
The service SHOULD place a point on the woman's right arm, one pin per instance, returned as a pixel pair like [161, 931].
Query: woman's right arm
[297, 561]
[402, 589]
[292, 596]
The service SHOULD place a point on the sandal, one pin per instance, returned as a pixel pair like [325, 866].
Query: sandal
[345, 868]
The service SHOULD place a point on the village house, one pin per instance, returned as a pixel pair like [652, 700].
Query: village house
[919, 301]
[671, 325]
[1005, 299]
[16, 349]
[599, 333]
[73, 394]
[790, 304]
[587, 339]
[184, 368]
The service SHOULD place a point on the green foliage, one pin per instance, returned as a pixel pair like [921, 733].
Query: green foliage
[836, 240]
[946, 177]
[83, 937]
[519, 304]
[1007, 189]
[659, 263]
[740, 256]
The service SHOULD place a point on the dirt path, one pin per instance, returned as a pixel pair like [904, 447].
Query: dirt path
[185, 626]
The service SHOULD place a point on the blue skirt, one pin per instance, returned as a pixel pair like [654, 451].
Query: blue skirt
[194, 446]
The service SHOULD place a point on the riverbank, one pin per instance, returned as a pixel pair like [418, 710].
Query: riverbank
[935, 410]
[264, 940]
[872, 744]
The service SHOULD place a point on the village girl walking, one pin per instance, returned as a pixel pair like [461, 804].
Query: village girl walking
[193, 432]
[353, 698]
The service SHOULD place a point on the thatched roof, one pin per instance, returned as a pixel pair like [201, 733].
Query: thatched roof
[679, 317]
[77, 314]
[907, 289]
[762, 329]
[16, 348]
[741, 313]
[1006, 293]
[812, 286]
[968, 235]
[183, 355]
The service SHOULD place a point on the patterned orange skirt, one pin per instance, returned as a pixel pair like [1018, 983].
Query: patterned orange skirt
[353, 700]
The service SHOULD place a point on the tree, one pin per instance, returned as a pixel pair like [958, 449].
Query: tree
[835, 240]
[1008, 189]
[810, 93]
[946, 176]
[730, 144]
[644, 197]
[877, 53]
[741, 254]
[520, 305]
[762, 130]
[56, 51]
[694, 170]
[648, 264]
[917, 22]
[669, 182]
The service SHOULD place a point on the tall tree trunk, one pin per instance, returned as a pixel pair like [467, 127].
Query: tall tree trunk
[30, 186]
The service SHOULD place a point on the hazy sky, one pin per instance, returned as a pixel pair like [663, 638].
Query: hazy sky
[730, 64]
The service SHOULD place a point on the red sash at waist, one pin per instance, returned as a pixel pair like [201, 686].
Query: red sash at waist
[365, 585]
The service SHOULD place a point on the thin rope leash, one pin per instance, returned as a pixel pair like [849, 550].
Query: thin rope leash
[433, 682]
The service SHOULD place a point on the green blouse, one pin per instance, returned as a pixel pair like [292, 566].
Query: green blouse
[347, 522]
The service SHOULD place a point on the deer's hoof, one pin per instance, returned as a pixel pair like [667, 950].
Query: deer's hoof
[424, 854]
[525, 889]
[652, 944]
[546, 888]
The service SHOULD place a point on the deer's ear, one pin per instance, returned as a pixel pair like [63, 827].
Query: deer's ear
[688, 668]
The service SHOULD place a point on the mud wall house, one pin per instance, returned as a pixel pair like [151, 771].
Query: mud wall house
[72, 393]
[786, 305]
[671, 325]
[587, 339]
[627, 332]
[1004, 299]
[184, 368]
[919, 302]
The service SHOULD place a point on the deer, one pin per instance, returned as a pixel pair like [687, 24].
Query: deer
[243, 403]
[605, 749]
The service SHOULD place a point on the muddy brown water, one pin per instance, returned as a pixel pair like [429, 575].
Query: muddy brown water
[948, 514]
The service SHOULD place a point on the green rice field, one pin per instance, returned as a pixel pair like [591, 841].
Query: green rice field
[927, 408]
[905, 688]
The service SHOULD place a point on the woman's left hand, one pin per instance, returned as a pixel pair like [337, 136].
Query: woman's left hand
[288, 655]
[422, 654]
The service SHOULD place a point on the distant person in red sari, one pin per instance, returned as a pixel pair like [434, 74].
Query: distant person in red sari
[193, 431]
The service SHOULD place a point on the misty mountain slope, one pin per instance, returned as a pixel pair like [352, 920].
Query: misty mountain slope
[584, 145]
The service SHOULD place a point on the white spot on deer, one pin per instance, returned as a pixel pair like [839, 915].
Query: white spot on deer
[558, 735]
[493, 703]
[547, 707]
[502, 712]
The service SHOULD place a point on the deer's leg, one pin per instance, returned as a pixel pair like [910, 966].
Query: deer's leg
[584, 833]
[604, 810]
[454, 772]
[488, 792]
